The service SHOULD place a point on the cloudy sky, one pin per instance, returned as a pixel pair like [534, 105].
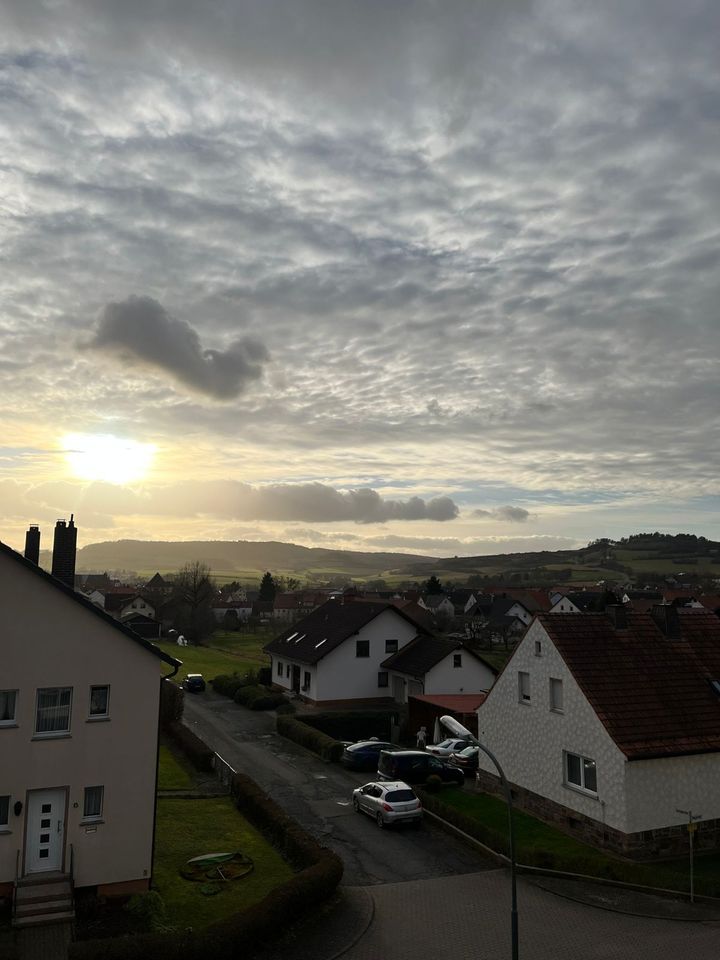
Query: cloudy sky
[431, 275]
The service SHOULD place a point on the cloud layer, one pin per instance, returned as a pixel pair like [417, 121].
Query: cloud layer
[140, 330]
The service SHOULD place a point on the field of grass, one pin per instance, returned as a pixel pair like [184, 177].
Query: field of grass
[173, 774]
[497, 657]
[211, 662]
[189, 828]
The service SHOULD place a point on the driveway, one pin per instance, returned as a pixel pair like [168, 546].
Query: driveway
[415, 894]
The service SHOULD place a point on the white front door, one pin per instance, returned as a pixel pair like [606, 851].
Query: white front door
[45, 830]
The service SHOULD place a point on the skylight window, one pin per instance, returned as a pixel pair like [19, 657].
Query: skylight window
[288, 639]
[300, 638]
[321, 643]
[715, 684]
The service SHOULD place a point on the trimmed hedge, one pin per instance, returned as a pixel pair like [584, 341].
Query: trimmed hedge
[172, 703]
[227, 684]
[258, 698]
[300, 732]
[247, 931]
[354, 724]
[199, 754]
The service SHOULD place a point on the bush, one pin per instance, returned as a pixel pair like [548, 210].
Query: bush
[172, 703]
[199, 754]
[296, 730]
[354, 724]
[264, 676]
[258, 698]
[286, 708]
[433, 783]
[227, 684]
[148, 909]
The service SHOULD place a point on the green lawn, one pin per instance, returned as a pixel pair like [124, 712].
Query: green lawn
[210, 662]
[189, 828]
[537, 843]
[172, 773]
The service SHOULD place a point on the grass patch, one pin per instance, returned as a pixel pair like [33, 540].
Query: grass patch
[498, 656]
[539, 844]
[172, 773]
[210, 663]
[189, 828]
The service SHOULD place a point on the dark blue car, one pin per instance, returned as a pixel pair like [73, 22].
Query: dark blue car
[364, 754]
[194, 683]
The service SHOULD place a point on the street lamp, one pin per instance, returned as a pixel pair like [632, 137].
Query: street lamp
[455, 727]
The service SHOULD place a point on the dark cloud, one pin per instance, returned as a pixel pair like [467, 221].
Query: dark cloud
[508, 514]
[233, 500]
[140, 329]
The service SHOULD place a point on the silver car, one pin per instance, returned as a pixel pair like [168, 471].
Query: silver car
[446, 748]
[392, 802]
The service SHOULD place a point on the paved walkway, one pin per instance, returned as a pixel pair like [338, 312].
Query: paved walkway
[49, 942]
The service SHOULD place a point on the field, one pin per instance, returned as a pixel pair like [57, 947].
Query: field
[225, 652]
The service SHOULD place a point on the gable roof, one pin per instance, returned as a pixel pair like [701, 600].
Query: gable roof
[652, 694]
[321, 631]
[85, 602]
[423, 653]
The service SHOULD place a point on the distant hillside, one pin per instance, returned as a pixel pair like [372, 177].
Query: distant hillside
[641, 556]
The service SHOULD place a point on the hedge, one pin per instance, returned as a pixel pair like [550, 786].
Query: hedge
[199, 754]
[354, 724]
[172, 703]
[258, 698]
[243, 932]
[300, 732]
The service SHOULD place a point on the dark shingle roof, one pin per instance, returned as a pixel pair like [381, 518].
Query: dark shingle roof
[422, 653]
[321, 631]
[653, 694]
[89, 605]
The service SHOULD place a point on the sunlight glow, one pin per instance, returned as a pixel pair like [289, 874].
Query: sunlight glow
[107, 458]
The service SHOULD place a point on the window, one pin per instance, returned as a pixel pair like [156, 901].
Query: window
[580, 772]
[556, 695]
[382, 678]
[362, 648]
[99, 701]
[93, 803]
[279, 669]
[8, 699]
[457, 660]
[287, 669]
[538, 648]
[523, 687]
[4, 812]
[53, 710]
[391, 646]
[306, 680]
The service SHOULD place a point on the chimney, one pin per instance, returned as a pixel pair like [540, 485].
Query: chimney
[32, 544]
[617, 614]
[667, 619]
[64, 548]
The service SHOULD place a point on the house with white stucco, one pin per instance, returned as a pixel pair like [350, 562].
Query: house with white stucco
[607, 723]
[344, 652]
[79, 709]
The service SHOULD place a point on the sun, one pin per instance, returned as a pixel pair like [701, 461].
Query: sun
[107, 458]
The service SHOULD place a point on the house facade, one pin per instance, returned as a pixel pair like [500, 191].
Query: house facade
[594, 734]
[435, 665]
[79, 699]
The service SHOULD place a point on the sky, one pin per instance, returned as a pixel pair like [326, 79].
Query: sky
[435, 276]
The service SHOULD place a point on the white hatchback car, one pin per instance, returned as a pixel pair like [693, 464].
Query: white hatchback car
[446, 748]
[391, 802]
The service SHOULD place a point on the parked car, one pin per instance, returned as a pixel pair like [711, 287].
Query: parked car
[415, 766]
[364, 754]
[466, 760]
[388, 803]
[446, 748]
[193, 682]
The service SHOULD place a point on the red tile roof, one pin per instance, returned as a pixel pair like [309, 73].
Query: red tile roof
[652, 694]
[457, 702]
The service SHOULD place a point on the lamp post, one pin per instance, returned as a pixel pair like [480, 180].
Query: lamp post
[692, 827]
[451, 724]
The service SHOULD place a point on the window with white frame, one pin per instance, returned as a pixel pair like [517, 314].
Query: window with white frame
[279, 669]
[306, 680]
[382, 678]
[362, 648]
[556, 695]
[538, 648]
[8, 703]
[4, 812]
[52, 714]
[523, 686]
[93, 803]
[457, 660]
[580, 772]
[99, 702]
[391, 646]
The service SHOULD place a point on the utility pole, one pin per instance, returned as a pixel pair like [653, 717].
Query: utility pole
[692, 827]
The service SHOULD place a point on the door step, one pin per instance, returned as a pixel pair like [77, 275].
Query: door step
[49, 900]
[44, 919]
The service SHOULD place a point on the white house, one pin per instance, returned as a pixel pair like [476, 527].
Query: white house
[79, 696]
[241, 608]
[138, 605]
[430, 665]
[438, 604]
[335, 654]
[607, 723]
[580, 602]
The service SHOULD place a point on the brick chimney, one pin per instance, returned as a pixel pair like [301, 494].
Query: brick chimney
[667, 619]
[64, 550]
[617, 615]
[32, 544]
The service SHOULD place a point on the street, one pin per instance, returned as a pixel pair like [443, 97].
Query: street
[423, 892]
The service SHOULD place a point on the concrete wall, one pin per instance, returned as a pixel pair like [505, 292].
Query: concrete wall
[655, 789]
[471, 677]
[58, 643]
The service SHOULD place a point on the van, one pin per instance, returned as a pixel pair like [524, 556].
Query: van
[415, 766]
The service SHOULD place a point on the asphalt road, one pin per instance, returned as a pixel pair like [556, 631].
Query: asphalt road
[318, 795]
